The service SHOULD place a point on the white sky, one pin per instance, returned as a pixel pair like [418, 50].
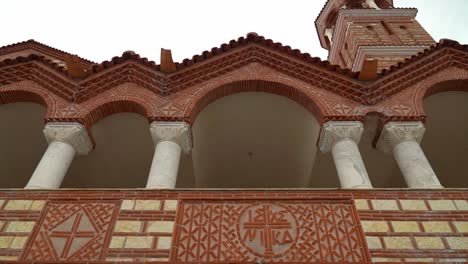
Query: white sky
[99, 30]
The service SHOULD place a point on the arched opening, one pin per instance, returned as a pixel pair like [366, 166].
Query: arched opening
[122, 156]
[445, 141]
[255, 139]
[22, 142]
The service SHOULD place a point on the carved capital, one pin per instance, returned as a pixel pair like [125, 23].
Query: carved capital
[335, 131]
[74, 134]
[178, 132]
[394, 133]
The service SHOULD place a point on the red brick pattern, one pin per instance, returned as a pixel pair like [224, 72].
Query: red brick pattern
[75, 231]
[303, 225]
[370, 31]
[271, 231]
[409, 103]
[180, 96]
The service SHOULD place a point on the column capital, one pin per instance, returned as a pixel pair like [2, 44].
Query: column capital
[178, 132]
[394, 133]
[74, 134]
[334, 131]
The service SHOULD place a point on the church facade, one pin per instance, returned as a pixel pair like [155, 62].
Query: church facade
[252, 152]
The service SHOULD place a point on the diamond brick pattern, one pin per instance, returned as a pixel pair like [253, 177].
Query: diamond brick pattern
[131, 84]
[72, 232]
[271, 231]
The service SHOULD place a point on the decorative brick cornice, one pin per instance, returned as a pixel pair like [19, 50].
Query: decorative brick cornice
[346, 16]
[312, 73]
[122, 73]
[329, 92]
[392, 50]
[44, 49]
[414, 70]
[39, 70]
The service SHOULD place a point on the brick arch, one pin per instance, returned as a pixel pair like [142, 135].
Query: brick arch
[457, 80]
[447, 86]
[383, 113]
[28, 93]
[207, 96]
[105, 108]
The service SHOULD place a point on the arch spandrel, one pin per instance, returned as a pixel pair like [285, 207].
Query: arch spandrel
[29, 91]
[128, 97]
[431, 86]
[407, 105]
[324, 105]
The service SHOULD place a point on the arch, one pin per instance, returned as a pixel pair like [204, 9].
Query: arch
[454, 79]
[447, 86]
[14, 95]
[445, 142]
[105, 108]
[207, 96]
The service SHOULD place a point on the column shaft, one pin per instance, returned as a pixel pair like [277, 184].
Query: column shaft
[53, 166]
[165, 165]
[349, 165]
[414, 165]
[341, 138]
[403, 139]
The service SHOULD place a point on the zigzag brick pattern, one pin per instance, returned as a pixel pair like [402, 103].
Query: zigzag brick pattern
[271, 231]
[132, 84]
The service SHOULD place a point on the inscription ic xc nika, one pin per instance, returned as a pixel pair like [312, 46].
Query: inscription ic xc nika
[273, 231]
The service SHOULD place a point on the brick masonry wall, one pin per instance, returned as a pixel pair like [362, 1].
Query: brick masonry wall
[373, 33]
[385, 62]
[288, 226]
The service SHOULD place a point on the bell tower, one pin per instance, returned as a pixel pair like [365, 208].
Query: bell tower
[354, 31]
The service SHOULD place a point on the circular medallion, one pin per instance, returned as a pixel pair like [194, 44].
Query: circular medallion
[267, 230]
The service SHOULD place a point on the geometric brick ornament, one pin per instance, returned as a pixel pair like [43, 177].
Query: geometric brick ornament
[268, 231]
[72, 232]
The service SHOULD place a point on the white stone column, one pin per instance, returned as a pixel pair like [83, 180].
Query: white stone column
[65, 139]
[341, 138]
[170, 139]
[403, 138]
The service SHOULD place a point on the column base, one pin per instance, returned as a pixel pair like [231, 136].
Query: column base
[159, 187]
[360, 187]
[433, 187]
[37, 188]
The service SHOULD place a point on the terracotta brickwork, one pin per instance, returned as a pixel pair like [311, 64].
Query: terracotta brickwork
[234, 226]
[373, 32]
[272, 231]
[131, 84]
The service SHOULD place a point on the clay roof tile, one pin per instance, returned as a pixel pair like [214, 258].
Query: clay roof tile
[253, 37]
[34, 57]
[48, 50]
[126, 56]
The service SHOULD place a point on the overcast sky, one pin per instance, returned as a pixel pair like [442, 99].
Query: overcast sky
[100, 30]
